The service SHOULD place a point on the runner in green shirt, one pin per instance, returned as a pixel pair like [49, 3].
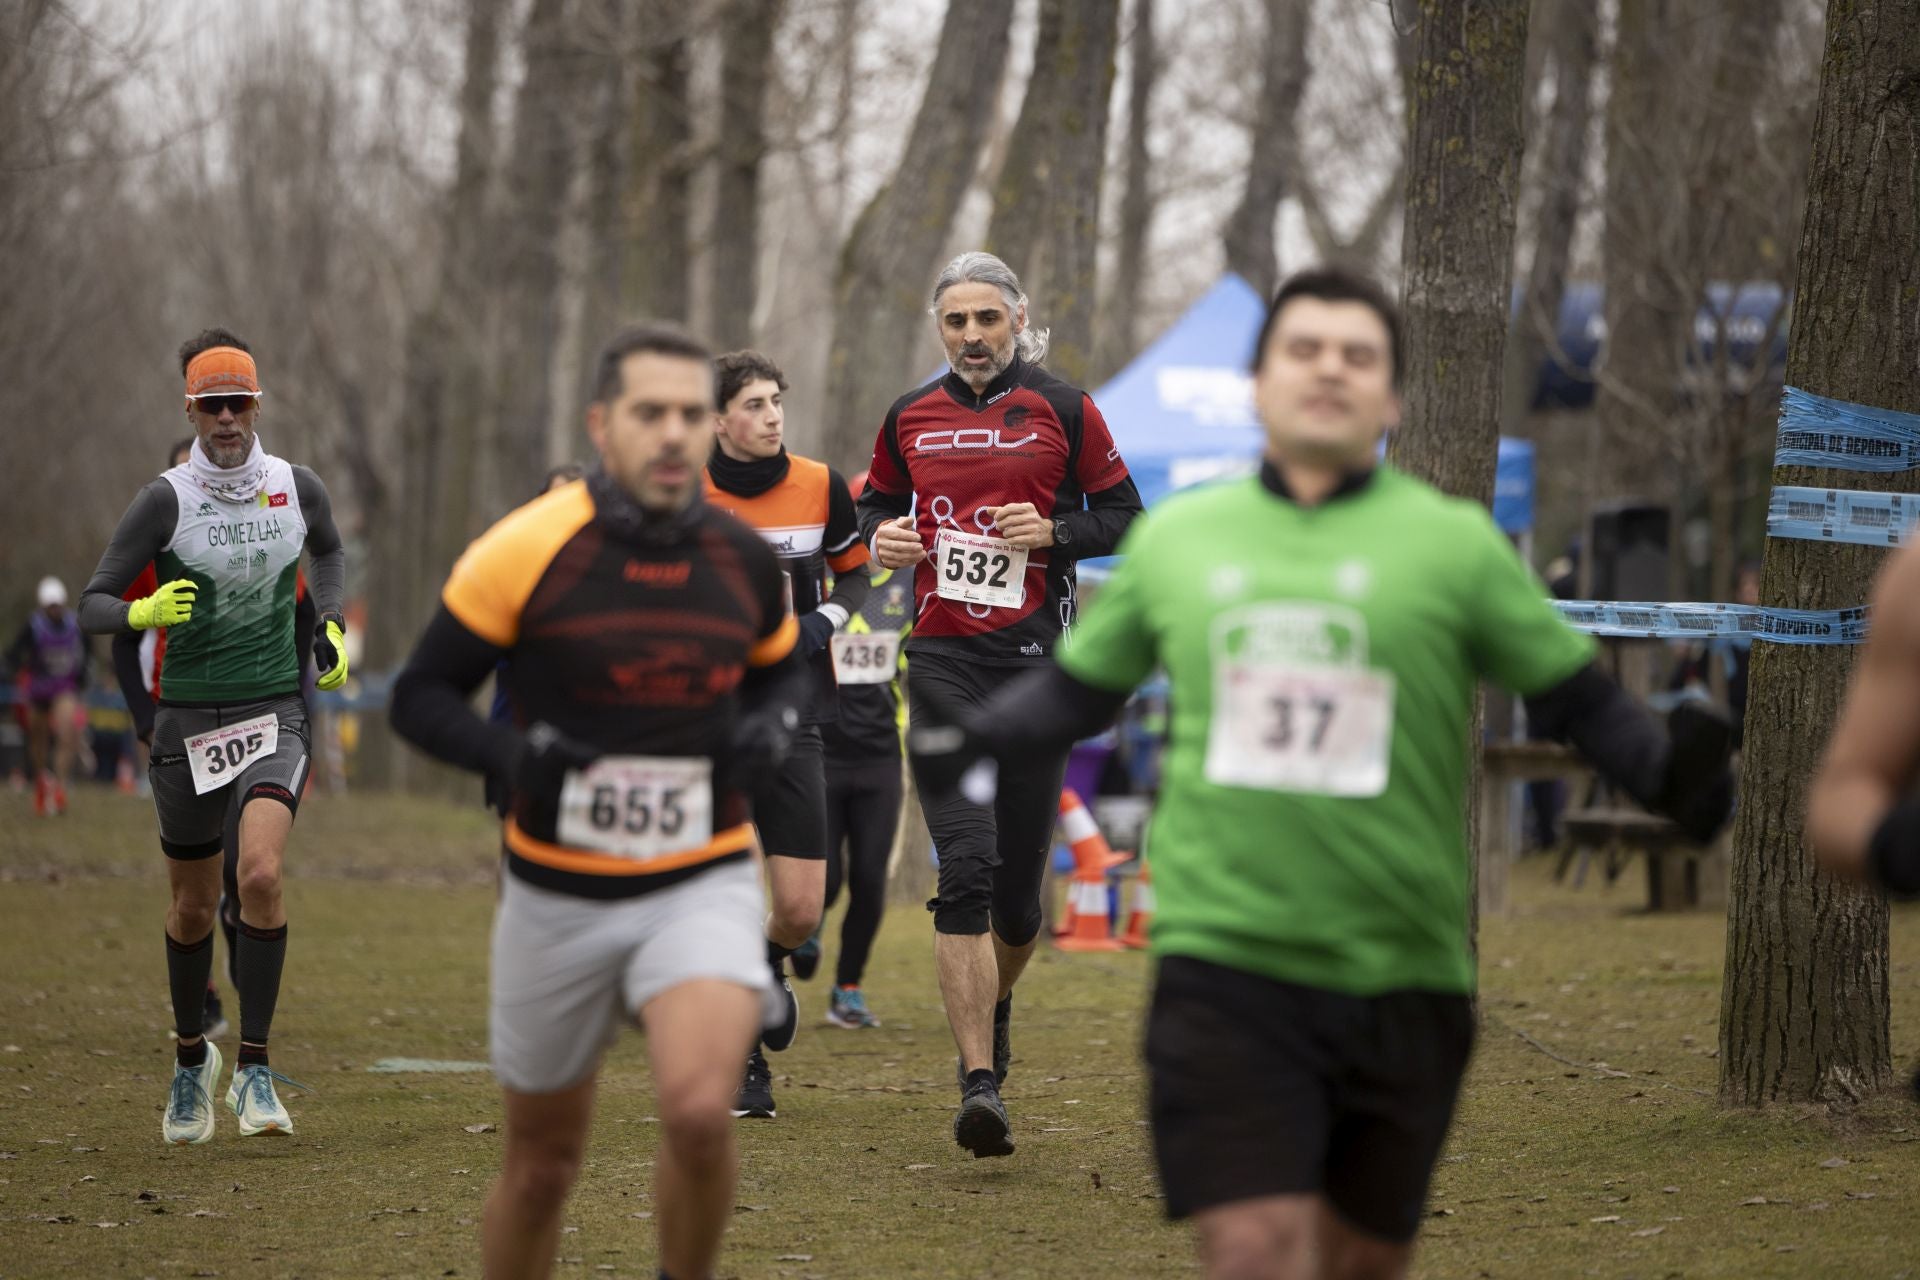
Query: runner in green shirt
[1323, 627]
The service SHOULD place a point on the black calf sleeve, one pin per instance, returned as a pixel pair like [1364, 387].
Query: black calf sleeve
[189, 965]
[263, 953]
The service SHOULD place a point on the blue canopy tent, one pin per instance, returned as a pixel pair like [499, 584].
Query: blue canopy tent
[1182, 412]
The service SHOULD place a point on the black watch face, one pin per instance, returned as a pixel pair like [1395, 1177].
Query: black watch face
[1060, 534]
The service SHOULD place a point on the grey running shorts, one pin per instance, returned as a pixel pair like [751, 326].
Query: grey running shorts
[567, 969]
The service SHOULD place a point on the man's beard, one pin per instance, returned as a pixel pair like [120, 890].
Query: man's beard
[228, 458]
[997, 362]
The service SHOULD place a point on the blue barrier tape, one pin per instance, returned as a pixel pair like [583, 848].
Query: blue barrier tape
[1706, 621]
[1841, 515]
[1816, 431]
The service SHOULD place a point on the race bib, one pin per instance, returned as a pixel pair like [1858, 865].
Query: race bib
[1321, 730]
[638, 807]
[868, 658]
[221, 755]
[980, 569]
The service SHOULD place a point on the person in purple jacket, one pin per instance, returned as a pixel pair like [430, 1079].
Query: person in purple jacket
[50, 656]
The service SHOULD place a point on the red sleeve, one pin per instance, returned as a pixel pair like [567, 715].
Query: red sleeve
[299, 583]
[1100, 465]
[143, 586]
[887, 473]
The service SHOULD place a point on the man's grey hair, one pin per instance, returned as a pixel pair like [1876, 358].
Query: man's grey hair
[978, 267]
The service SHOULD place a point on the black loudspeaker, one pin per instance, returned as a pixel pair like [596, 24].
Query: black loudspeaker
[1630, 545]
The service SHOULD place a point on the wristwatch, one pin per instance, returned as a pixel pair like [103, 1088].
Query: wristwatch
[1062, 534]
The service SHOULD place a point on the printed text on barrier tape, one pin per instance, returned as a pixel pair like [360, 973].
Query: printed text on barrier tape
[1816, 431]
[1842, 515]
[1706, 621]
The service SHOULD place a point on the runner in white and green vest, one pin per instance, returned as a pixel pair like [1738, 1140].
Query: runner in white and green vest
[225, 531]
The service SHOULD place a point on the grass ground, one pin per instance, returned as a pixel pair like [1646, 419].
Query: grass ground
[1555, 1168]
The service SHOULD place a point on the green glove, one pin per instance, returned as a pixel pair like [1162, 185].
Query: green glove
[170, 606]
[330, 654]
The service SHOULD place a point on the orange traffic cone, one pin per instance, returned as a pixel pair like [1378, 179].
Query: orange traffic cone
[1088, 927]
[1138, 919]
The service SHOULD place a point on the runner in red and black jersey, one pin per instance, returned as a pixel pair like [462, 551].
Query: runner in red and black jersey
[991, 482]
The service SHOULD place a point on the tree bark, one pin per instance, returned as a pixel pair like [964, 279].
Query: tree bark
[1117, 334]
[746, 68]
[1575, 33]
[1046, 214]
[1249, 235]
[1804, 1007]
[888, 261]
[1464, 89]
[659, 203]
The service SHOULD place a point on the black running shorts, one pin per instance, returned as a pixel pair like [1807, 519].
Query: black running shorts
[790, 807]
[191, 822]
[1262, 1088]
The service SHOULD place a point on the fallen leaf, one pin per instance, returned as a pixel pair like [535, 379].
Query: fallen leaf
[1672, 1191]
[478, 1128]
[1861, 1195]
[1647, 1231]
[106, 1224]
[1440, 1213]
[1754, 1200]
[794, 1257]
[1611, 1217]
[1096, 1178]
[147, 1195]
[915, 1168]
[89, 1178]
[1838, 1162]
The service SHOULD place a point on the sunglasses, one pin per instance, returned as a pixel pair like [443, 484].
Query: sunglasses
[214, 406]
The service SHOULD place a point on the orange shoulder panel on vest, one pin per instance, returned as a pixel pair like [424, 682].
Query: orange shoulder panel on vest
[492, 581]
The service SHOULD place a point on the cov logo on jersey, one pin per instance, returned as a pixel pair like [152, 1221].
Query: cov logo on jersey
[991, 440]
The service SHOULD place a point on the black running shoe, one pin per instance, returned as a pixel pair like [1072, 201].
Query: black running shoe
[1002, 1039]
[783, 1024]
[982, 1126]
[806, 958]
[755, 1099]
[213, 1023]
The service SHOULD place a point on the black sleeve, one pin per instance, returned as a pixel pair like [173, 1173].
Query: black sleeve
[876, 508]
[843, 531]
[326, 555]
[306, 621]
[1097, 530]
[126, 671]
[432, 700]
[1040, 714]
[787, 682]
[1603, 722]
[142, 532]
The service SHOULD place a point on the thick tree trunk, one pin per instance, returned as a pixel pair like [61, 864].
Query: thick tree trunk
[417, 517]
[1046, 213]
[659, 203]
[889, 259]
[1117, 333]
[1561, 166]
[1249, 234]
[746, 68]
[1464, 92]
[1804, 1009]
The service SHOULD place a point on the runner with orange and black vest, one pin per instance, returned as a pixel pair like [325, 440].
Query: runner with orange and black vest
[804, 511]
[651, 674]
[992, 481]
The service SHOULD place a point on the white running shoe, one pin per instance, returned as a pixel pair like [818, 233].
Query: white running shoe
[189, 1116]
[252, 1099]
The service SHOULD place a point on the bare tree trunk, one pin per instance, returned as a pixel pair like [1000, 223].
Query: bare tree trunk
[418, 518]
[1046, 214]
[1249, 235]
[659, 204]
[1463, 165]
[1574, 26]
[746, 67]
[1804, 1008]
[889, 258]
[1117, 333]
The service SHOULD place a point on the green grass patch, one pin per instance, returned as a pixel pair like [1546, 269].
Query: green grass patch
[1555, 1168]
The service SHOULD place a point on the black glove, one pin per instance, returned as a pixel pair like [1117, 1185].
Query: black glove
[1894, 851]
[1697, 793]
[761, 740]
[816, 630]
[945, 750]
[540, 770]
